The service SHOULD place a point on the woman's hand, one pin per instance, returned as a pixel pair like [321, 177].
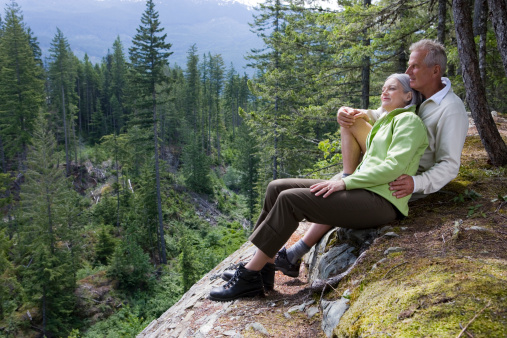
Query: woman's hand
[347, 116]
[327, 187]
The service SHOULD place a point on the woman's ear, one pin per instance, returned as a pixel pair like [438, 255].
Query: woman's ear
[409, 97]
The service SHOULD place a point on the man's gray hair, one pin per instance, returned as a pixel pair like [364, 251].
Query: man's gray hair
[404, 80]
[435, 53]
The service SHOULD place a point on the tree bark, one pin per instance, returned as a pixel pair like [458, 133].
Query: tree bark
[442, 15]
[365, 73]
[65, 135]
[476, 92]
[481, 30]
[163, 256]
[498, 9]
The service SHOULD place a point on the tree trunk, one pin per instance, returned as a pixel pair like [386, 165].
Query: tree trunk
[117, 181]
[163, 257]
[498, 10]
[481, 29]
[476, 93]
[277, 66]
[442, 15]
[365, 72]
[50, 222]
[66, 137]
[44, 312]
[402, 58]
[2, 156]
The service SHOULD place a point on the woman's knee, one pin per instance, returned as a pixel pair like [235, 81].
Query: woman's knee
[276, 186]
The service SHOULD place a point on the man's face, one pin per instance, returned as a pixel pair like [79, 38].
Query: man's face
[420, 75]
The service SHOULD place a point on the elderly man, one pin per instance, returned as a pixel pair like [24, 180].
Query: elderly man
[446, 121]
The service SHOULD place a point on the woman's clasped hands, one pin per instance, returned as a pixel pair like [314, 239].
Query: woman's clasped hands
[327, 187]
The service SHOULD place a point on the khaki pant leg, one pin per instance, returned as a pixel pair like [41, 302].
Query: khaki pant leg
[274, 189]
[355, 209]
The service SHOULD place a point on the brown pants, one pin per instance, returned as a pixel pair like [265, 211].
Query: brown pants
[289, 201]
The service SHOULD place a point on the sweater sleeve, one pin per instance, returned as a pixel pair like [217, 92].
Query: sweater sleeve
[373, 114]
[450, 138]
[408, 140]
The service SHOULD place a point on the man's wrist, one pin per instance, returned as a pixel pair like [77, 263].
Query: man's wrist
[415, 184]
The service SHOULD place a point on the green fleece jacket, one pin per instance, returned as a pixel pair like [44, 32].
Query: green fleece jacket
[394, 147]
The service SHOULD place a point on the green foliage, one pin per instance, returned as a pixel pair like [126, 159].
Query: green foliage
[105, 212]
[21, 85]
[131, 266]
[124, 323]
[190, 263]
[468, 195]
[105, 246]
[166, 292]
[196, 168]
[474, 212]
[500, 198]
[48, 234]
[232, 178]
[5, 185]
[88, 269]
[331, 162]
[11, 292]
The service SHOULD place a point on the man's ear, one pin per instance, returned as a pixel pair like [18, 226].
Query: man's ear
[436, 70]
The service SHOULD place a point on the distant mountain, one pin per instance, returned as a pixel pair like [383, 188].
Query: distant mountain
[91, 26]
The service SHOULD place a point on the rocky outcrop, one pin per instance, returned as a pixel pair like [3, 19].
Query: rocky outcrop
[195, 316]
[175, 322]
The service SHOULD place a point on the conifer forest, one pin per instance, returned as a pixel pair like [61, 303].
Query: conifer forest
[132, 178]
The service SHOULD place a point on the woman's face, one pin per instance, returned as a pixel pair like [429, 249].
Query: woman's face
[393, 96]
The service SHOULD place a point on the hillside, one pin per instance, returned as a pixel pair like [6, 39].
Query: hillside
[91, 26]
[447, 279]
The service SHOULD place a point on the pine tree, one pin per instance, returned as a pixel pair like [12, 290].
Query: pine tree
[196, 166]
[248, 164]
[118, 85]
[62, 76]
[105, 247]
[192, 90]
[11, 292]
[48, 240]
[270, 19]
[21, 85]
[149, 57]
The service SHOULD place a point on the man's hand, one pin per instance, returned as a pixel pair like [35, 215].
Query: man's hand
[327, 187]
[347, 116]
[402, 186]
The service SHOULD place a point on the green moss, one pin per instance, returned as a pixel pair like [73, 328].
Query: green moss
[430, 299]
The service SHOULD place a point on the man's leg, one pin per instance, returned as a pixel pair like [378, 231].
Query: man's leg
[353, 144]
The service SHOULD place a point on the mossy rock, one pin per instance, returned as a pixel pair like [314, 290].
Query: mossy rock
[430, 298]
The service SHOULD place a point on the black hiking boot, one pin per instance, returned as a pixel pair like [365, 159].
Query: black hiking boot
[287, 268]
[244, 283]
[267, 273]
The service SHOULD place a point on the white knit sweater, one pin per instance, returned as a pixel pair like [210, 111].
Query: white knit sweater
[446, 121]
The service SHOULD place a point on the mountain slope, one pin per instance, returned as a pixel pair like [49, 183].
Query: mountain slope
[91, 26]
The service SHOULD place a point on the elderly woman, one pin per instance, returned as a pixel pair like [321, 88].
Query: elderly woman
[360, 200]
